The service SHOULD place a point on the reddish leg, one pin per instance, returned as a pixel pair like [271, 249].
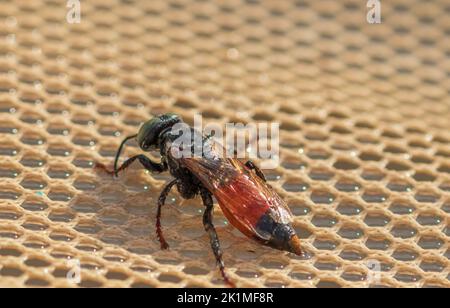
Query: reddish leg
[102, 167]
[161, 201]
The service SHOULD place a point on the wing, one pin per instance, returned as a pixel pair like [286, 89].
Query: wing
[243, 197]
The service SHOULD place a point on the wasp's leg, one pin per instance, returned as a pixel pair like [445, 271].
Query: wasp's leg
[214, 239]
[161, 201]
[249, 164]
[144, 160]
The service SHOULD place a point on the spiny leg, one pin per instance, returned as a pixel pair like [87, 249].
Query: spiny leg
[249, 164]
[144, 160]
[161, 201]
[214, 239]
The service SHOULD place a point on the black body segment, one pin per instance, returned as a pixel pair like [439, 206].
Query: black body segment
[213, 237]
[278, 234]
[161, 202]
[145, 161]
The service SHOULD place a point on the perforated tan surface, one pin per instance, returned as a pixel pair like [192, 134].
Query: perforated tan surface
[365, 157]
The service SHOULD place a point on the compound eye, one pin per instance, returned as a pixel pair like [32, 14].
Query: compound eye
[148, 144]
[145, 145]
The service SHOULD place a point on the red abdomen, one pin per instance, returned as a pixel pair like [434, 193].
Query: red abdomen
[249, 203]
[242, 203]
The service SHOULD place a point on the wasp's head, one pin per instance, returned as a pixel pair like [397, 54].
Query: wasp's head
[149, 133]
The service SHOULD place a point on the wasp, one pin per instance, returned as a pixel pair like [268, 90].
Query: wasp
[247, 201]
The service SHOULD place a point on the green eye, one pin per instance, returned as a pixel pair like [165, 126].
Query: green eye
[146, 130]
[149, 132]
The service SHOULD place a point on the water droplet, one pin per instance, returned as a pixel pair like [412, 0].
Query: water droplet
[84, 186]
[402, 209]
[352, 255]
[374, 197]
[353, 276]
[325, 245]
[58, 151]
[9, 173]
[9, 215]
[295, 187]
[59, 174]
[59, 196]
[8, 151]
[429, 220]
[378, 244]
[300, 210]
[347, 187]
[349, 209]
[399, 186]
[33, 163]
[35, 207]
[322, 197]
[10, 195]
[376, 220]
[432, 266]
[405, 277]
[324, 221]
[403, 231]
[430, 243]
[248, 273]
[30, 184]
[405, 255]
[351, 233]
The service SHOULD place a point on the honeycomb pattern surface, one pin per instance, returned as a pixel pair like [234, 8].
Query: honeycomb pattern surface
[365, 138]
